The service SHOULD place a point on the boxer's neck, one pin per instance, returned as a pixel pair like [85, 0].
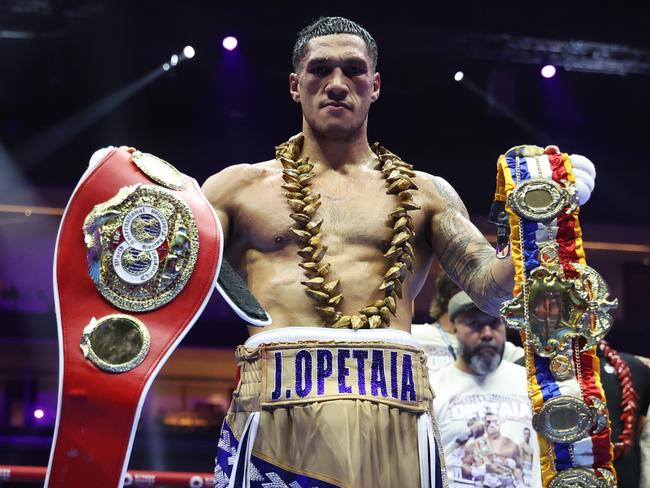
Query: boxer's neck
[338, 154]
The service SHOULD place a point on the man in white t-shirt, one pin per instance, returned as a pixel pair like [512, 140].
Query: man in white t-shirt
[482, 407]
[438, 339]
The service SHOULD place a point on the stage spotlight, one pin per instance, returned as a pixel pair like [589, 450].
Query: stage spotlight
[39, 414]
[174, 60]
[459, 75]
[189, 52]
[548, 71]
[42, 145]
[229, 43]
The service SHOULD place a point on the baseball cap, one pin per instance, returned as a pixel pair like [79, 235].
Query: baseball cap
[459, 303]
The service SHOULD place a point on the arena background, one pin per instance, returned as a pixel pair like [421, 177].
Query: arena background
[76, 76]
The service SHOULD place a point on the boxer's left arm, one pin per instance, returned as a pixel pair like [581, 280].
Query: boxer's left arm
[464, 253]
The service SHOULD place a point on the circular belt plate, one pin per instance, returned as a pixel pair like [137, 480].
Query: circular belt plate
[538, 199]
[577, 478]
[142, 247]
[564, 419]
[561, 367]
[115, 343]
[159, 170]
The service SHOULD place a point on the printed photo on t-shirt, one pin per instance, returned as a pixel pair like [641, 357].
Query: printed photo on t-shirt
[494, 447]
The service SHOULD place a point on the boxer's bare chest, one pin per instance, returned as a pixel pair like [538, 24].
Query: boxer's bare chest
[354, 208]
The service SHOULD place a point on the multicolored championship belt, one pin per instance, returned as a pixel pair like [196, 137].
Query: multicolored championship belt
[137, 258]
[560, 306]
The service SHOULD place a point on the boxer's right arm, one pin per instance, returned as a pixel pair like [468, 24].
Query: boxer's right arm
[228, 191]
[223, 190]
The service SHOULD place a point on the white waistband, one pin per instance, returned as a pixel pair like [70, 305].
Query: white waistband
[325, 334]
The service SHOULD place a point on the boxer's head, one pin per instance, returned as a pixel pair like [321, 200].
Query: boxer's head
[492, 425]
[328, 26]
[335, 78]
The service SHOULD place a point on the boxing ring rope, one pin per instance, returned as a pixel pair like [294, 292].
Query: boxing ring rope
[36, 474]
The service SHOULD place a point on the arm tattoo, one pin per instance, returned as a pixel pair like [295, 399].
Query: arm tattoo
[465, 254]
[450, 196]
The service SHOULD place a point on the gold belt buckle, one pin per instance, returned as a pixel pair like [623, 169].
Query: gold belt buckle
[142, 245]
[542, 200]
[568, 419]
[582, 478]
[556, 309]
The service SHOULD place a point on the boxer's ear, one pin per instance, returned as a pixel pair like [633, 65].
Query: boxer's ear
[376, 87]
[294, 87]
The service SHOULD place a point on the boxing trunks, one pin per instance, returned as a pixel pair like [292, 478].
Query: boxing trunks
[317, 407]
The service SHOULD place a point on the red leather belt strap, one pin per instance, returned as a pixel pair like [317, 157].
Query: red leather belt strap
[98, 411]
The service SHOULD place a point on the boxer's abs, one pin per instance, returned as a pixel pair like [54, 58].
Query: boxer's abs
[276, 283]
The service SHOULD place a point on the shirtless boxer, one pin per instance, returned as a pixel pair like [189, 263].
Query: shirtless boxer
[333, 405]
[495, 456]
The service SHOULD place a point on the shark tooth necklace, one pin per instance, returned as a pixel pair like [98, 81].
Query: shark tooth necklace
[297, 175]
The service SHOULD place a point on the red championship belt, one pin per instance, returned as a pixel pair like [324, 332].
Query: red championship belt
[137, 257]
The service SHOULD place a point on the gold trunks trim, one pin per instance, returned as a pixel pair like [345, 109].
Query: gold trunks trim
[314, 372]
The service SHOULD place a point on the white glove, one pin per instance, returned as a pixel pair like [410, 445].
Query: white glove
[585, 174]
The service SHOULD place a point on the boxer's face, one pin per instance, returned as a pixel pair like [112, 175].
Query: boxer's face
[492, 426]
[336, 85]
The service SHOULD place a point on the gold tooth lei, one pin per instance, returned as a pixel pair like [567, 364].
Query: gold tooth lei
[297, 175]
